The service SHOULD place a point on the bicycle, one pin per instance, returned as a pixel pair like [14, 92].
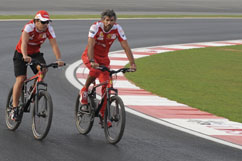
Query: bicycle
[115, 111]
[34, 93]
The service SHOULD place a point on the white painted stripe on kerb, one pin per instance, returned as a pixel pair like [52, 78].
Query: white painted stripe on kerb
[149, 101]
[124, 56]
[117, 84]
[214, 44]
[182, 47]
[82, 70]
[119, 62]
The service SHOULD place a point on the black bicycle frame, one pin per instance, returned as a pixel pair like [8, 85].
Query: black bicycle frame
[108, 93]
[33, 94]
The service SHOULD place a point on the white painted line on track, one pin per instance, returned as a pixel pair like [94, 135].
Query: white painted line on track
[162, 18]
[70, 71]
[149, 100]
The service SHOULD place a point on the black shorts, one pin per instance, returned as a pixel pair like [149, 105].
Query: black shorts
[20, 67]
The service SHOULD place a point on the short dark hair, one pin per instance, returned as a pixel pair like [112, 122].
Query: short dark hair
[35, 20]
[108, 13]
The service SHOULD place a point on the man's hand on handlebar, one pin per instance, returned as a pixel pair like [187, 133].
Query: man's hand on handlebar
[27, 59]
[94, 65]
[133, 67]
[60, 63]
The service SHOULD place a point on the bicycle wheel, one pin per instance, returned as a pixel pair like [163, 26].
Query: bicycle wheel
[84, 119]
[42, 115]
[12, 125]
[117, 118]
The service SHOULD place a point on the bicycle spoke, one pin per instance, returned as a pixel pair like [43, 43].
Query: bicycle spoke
[84, 117]
[42, 116]
[117, 118]
[11, 124]
[41, 121]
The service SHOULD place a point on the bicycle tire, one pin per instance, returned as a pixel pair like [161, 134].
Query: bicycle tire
[43, 111]
[117, 111]
[12, 125]
[84, 121]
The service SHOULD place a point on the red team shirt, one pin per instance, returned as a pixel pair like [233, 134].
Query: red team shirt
[104, 40]
[36, 38]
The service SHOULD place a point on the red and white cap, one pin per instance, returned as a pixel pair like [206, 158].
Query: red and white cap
[42, 15]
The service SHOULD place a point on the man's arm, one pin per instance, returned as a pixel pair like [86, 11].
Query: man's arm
[129, 53]
[90, 53]
[24, 44]
[56, 51]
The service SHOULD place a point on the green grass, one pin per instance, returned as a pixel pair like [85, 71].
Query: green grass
[209, 79]
[120, 16]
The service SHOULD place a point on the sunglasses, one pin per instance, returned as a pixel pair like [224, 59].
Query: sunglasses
[45, 22]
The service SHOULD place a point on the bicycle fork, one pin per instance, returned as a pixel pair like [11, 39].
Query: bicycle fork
[40, 86]
[109, 94]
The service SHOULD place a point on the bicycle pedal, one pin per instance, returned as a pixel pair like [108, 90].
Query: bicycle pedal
[115, 118]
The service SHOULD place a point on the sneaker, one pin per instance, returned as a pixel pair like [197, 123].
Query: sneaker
[14, 114]
[83, 97]
[84, 108]
[109, 124]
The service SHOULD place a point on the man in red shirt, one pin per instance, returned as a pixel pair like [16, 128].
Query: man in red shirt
[33, 36]
[100, 38]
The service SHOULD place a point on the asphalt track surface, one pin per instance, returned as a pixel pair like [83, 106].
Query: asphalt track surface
[122, 6]
[143, 140]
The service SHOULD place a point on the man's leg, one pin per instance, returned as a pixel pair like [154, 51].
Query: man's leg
[20, 74]
[104, 76]
[17, 89]
[93, 74]
[84, 90]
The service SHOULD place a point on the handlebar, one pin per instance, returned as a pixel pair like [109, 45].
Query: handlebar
[111, 72]
[36, 62]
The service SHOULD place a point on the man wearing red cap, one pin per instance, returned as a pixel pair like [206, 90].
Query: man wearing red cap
[33, 36]
[101, 36]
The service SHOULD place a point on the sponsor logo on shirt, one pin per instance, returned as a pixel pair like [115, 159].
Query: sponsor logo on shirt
[31, 37]
[92, 32]
[42, 36]
[100, 37]
[101, 44]
[111, 36]
[122, 33]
